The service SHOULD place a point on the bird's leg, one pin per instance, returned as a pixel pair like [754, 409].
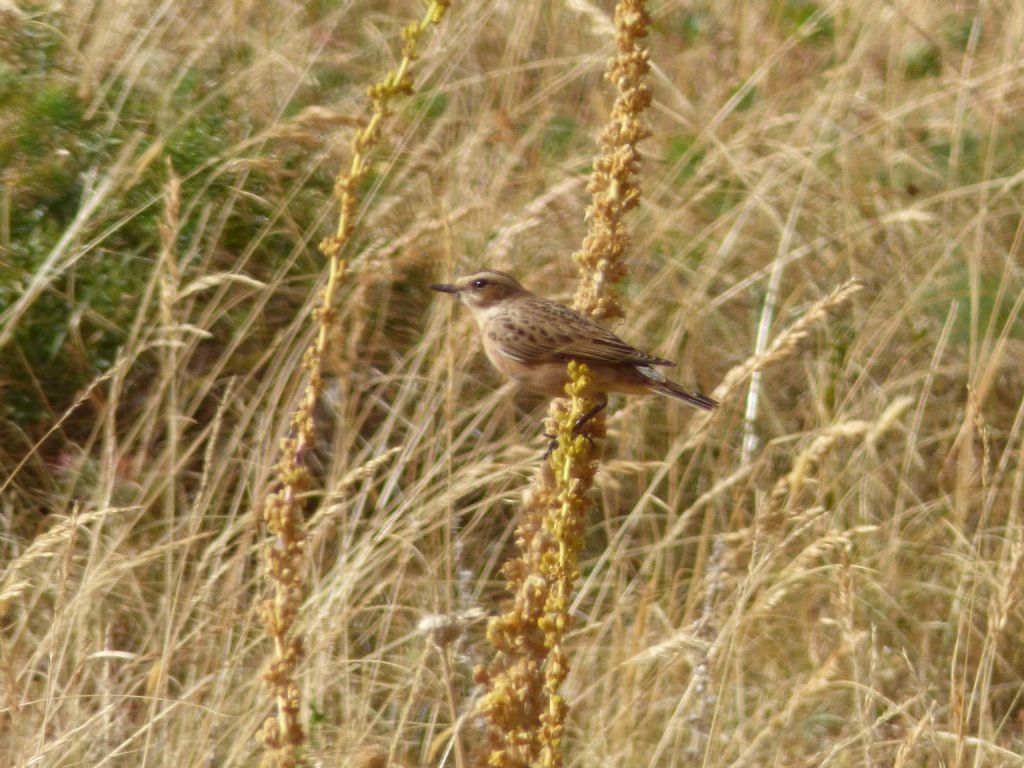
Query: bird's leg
[580, 423]
[552, 444]
[582, 420]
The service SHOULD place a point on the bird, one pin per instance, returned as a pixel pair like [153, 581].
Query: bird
[530, 340]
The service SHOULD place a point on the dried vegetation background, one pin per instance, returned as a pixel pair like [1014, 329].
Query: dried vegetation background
[832, 580]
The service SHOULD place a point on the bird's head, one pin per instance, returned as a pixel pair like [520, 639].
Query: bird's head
[484, 289]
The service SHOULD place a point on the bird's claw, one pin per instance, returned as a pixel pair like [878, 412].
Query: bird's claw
[553, 441]
[552, 444]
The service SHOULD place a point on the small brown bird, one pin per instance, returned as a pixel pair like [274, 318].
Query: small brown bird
[530, 340]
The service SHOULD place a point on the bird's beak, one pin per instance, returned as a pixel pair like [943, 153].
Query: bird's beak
[444, 288]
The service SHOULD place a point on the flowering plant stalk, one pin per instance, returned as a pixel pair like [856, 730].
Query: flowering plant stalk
[523, 706]
[284, 554]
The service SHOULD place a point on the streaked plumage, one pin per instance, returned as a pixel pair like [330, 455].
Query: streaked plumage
[539, 329]
[530, 340]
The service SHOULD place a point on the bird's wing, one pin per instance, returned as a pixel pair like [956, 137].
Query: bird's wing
[541, 330]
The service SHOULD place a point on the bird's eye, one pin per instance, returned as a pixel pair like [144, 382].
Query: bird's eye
[480, 283]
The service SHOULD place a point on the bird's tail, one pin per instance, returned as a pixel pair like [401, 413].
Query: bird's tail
[680, 392]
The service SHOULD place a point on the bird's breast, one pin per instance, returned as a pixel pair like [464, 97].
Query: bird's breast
[543, 377]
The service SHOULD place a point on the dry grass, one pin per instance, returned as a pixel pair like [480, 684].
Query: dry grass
[829, 578]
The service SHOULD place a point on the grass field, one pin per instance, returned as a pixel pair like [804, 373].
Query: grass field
[828, 572]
